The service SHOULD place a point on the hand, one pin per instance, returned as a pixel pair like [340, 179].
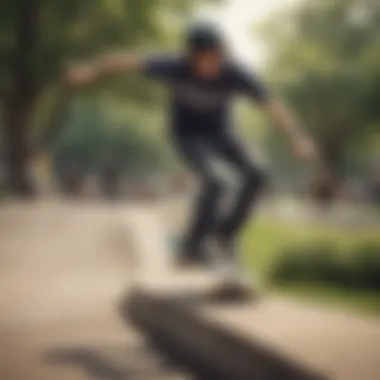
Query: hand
[80, 75]
[306, 150]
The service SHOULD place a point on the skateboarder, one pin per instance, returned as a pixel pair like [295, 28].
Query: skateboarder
[203, 80]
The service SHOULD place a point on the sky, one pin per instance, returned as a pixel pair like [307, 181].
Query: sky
[237, 18]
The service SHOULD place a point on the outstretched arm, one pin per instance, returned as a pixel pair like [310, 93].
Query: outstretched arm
[109, 64]
[301, 143]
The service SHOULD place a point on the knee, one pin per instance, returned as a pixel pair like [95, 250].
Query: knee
[256, 178]
[214, 186]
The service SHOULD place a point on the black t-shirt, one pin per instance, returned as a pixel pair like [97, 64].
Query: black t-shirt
[202, 106]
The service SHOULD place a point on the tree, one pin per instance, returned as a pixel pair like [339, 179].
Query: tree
[324, 58]
[91, 137]
[38, 37]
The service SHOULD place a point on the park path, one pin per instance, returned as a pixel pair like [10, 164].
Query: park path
[63, 273]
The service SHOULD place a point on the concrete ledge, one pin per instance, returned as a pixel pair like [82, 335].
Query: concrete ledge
[202, 345]
[275, 339]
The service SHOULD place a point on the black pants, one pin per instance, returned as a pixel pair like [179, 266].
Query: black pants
[199, 152]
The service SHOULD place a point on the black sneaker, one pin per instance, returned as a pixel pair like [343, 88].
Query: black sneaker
[193, 257]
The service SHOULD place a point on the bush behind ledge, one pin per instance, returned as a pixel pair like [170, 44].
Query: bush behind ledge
[356, 267]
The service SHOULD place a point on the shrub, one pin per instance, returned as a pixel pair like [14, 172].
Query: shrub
[326, 263]
[364, 267]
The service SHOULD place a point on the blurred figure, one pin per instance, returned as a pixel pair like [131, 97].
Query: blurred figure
[71, 177]
[109, 177]
[204, 80]
[325, 189]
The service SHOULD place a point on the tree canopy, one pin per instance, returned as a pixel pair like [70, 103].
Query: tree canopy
[324, 57]
[39, 37]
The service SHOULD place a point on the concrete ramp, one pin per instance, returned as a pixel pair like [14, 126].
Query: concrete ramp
[269, 340]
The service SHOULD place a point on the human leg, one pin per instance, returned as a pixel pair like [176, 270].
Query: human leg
[198, 154]
[253, 180]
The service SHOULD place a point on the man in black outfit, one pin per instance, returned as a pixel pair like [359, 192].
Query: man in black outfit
[203, 82]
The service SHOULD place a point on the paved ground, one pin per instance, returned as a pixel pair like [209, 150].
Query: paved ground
[64, 269]
[63, 272]
[342, 345]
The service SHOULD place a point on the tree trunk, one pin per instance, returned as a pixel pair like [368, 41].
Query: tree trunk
[55, 123]
[20, 99]
[17, 149]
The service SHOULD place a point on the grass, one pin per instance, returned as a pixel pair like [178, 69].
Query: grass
[365, 302]
[264, 240]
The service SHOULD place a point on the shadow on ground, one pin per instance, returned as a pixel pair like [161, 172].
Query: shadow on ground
[204, 347]
[113, 363]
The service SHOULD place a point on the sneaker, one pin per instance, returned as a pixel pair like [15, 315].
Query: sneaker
[186, 258]
[226, 256]
[234, 282]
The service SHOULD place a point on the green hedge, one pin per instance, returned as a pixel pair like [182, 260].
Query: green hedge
[357, 267]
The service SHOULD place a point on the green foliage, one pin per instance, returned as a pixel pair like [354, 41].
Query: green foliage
[364, 265]
[265, 240]
[319, 262]
[38, 38]
[324, 59]
[91, 137]
[361, 301]
[44, 36]
[78, 29]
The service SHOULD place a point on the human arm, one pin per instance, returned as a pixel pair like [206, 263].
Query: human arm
[302, 145]
[106, 65]
[119, 63]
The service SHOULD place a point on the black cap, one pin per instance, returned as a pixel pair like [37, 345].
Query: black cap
[203, 37]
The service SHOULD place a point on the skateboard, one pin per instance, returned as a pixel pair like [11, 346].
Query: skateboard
[234, 291]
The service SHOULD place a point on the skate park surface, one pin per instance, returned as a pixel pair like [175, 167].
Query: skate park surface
[86, 291]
